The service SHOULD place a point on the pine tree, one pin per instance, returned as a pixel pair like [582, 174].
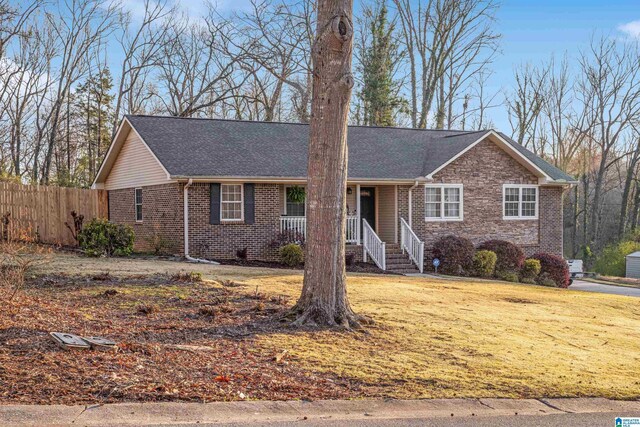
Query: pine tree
[379, 95]
[94, 110]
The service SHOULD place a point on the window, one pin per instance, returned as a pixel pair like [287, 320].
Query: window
[231, 206]
[293, 208]
[520, 201]
[443, 202]
[138, 204]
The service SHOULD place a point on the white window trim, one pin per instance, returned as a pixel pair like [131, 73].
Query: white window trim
[520, 187]
[241, 203]
[135, 203]
[285, 199]
[442, 218]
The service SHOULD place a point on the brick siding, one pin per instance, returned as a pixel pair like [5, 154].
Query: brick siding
[161, 216]
[483, 170]
[222, 241]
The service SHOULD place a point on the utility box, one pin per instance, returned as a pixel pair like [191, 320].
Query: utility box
[633, 265]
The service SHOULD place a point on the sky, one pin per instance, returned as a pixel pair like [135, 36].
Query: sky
[532, 31]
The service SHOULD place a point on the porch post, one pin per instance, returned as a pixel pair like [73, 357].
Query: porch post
[359, 220]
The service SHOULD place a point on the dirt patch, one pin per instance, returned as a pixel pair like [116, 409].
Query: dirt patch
[178, 340]
[519, 301]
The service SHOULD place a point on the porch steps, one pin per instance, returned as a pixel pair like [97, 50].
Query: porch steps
[397, 262]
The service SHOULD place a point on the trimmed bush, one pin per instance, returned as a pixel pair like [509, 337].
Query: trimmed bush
[291, 255]
[455, 254]
[530, 270]
[510, 256]
[103, 238]
[612, 260]
[484, 263]
[508, 276]
[554, 268]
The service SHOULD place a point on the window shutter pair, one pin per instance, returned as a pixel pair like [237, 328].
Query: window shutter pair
[249, 204]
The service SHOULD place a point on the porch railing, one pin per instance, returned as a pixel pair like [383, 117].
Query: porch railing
[410, 243]
[373, 246]
[298, 224]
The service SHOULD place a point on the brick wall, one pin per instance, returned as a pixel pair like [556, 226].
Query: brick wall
[161, 215]
[482, 171]
[221, 241]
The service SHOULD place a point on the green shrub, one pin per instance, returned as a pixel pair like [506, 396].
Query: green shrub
[611, 262]
[530, 269]
[103, 238]
[546, 280]
[484, 263]
[291, 255]
[510, 256]
[508, 276]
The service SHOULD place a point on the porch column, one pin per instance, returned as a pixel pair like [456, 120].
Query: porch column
[359, 225]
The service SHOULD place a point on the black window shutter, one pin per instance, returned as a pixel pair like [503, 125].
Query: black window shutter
[249, 204]
[214, 214]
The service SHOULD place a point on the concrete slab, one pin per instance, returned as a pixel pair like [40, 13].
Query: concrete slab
[173, 413]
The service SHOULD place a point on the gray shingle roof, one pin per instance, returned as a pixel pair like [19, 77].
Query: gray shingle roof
[228, 148]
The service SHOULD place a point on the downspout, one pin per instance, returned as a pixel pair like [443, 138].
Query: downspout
[186, 226]
[411, 202]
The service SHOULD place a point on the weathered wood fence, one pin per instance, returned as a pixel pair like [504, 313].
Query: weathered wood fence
[41, 211]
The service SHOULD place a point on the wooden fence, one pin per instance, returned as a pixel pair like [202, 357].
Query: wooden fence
[41, 211]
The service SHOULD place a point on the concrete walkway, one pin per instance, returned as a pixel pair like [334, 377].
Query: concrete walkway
[356, 412]
[583, 285]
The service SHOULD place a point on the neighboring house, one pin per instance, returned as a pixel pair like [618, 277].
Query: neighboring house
[405, 186]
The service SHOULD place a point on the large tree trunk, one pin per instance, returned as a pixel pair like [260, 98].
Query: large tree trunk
[324, 296]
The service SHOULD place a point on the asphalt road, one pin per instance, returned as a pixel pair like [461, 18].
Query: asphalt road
[581, 285]
[565, 420]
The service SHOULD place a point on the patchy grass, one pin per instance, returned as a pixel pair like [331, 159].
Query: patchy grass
[432, 338]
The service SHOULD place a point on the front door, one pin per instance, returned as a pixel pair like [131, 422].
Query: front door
[368, 205]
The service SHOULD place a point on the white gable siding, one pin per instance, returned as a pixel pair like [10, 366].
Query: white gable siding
[135, 166]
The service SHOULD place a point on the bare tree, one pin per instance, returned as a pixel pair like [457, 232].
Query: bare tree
[324, 294]
[140, 43]
[281, 36]
[610, 90]
[78, 30]
[197, 65]
[442, 35]
[525, 105]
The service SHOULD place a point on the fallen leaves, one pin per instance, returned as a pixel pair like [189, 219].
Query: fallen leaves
[178, 352]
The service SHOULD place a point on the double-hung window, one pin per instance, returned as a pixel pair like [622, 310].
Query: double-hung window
[294, 206]
[231, 204]
[443, 202]
[520, 201]
[138, 201]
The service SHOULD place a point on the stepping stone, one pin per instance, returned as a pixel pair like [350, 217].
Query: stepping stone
[69, 341]
[100, 343]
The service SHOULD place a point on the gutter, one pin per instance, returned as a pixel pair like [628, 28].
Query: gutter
[186, 226]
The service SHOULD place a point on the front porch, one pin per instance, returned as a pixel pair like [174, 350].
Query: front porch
[373, 222]
[378, 205]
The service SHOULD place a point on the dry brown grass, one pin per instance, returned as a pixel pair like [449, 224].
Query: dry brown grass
[444, 338]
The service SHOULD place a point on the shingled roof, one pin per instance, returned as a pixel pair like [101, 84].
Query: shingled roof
[192, 148]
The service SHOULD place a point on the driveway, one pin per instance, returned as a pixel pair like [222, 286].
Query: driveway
[582, 285]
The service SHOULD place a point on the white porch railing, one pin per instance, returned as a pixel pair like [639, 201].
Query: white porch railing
[409, 242]
[373, 246]
[298, 224]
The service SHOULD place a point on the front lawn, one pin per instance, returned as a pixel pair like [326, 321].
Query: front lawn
[220, 339]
